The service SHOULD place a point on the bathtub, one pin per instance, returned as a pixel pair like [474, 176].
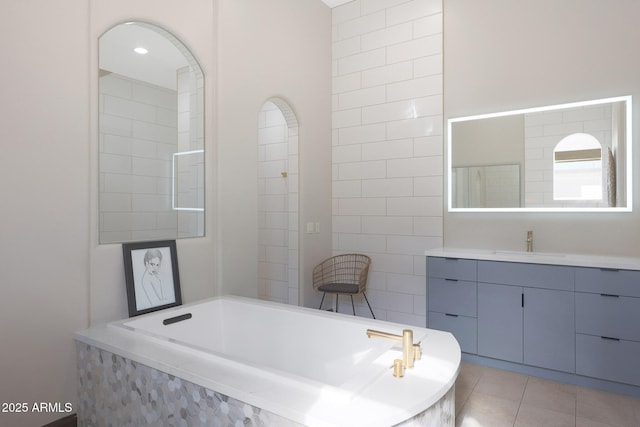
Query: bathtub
[290, 365]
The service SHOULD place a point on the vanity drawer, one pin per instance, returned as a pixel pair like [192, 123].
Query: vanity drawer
[608, 281]
[465, 329]
[452, 268]
[453, 296]
[529, 275]
[615, 360]
[608, 316]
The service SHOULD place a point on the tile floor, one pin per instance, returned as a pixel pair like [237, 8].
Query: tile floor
[489, 397]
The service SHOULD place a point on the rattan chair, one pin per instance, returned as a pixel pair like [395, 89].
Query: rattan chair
[343, 274]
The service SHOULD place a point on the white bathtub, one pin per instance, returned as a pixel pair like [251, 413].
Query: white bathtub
[309, 366]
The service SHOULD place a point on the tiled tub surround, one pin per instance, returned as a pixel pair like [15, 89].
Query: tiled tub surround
[572, 318]
[248, 374]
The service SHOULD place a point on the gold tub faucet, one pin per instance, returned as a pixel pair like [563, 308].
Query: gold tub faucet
[410, 351]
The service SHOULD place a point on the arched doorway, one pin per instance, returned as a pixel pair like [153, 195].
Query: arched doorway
[278, 212]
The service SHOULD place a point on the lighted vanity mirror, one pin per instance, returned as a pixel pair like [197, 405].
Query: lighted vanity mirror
[569, 157]
[151, 135]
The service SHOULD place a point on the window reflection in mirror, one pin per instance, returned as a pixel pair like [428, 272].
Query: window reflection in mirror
[571, 157]
[577, 170]
[151, 135]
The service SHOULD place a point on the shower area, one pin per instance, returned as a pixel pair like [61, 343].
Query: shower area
[278, 276]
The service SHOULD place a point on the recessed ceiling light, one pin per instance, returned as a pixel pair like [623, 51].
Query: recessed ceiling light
[141, 50]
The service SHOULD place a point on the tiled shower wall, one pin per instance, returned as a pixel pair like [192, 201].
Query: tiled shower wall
[273, 204]
[190, 167]
[387, 146]
[138, 126]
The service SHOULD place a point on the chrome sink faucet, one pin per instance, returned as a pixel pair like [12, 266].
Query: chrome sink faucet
[529, 241]
[410, 351]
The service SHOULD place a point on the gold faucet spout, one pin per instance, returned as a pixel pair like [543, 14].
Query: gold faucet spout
[408, 350]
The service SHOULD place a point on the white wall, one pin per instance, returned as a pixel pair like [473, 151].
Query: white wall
[44, 268]
[196, 27]
[387, 146]
[509, 55]
[278, 48]
[55, 278]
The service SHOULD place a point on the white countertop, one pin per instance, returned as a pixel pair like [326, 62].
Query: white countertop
[579, 260]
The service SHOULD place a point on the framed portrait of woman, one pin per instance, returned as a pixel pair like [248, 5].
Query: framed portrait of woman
[152, 278]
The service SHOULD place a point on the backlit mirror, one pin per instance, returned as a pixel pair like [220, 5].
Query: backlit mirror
[569, 157]
[151, 135]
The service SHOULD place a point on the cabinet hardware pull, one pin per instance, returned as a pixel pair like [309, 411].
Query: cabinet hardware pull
[522, 301]
[610, 295]
[451, 280]
[610, 338]
[610, 269]
[452, 259]
[451, 315]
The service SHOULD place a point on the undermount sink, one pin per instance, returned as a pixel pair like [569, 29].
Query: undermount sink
[528, 254]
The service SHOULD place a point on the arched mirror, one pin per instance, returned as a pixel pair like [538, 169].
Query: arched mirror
[151, 135]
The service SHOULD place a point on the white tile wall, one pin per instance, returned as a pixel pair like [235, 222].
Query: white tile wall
[277, 204]
[137, 134]
[387, 146]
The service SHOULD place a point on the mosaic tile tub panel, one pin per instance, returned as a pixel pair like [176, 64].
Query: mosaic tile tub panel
[118, 392]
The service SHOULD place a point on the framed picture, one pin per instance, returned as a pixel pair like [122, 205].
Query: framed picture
[151, 273]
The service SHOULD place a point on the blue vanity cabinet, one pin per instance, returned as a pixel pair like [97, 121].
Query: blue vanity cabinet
[526, 314]
[608, 324]
[451, 299]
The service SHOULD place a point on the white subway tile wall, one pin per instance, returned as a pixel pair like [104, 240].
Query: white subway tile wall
[137, 139]
[387, 147]
[277, 204]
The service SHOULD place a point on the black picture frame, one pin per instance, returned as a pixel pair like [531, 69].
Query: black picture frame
[152, 277]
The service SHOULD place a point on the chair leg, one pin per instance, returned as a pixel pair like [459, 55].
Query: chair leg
[365, 298]
[322, 300]
[353, 306]
[337, 295]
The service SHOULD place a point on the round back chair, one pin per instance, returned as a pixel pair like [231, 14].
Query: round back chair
[343, 274]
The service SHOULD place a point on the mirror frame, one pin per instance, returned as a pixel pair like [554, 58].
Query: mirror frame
[629, 157]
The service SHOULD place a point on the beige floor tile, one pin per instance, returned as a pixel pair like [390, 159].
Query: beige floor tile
[488, 397]
[504, 384]
[466, 382]
[606, 408]
[584, 422]
[551, 395]
[531, 416]
[485, 410]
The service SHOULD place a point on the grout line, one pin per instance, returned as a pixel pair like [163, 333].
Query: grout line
[521, 400]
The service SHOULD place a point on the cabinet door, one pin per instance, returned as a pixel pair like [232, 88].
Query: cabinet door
[500, 321]
[549, 329]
